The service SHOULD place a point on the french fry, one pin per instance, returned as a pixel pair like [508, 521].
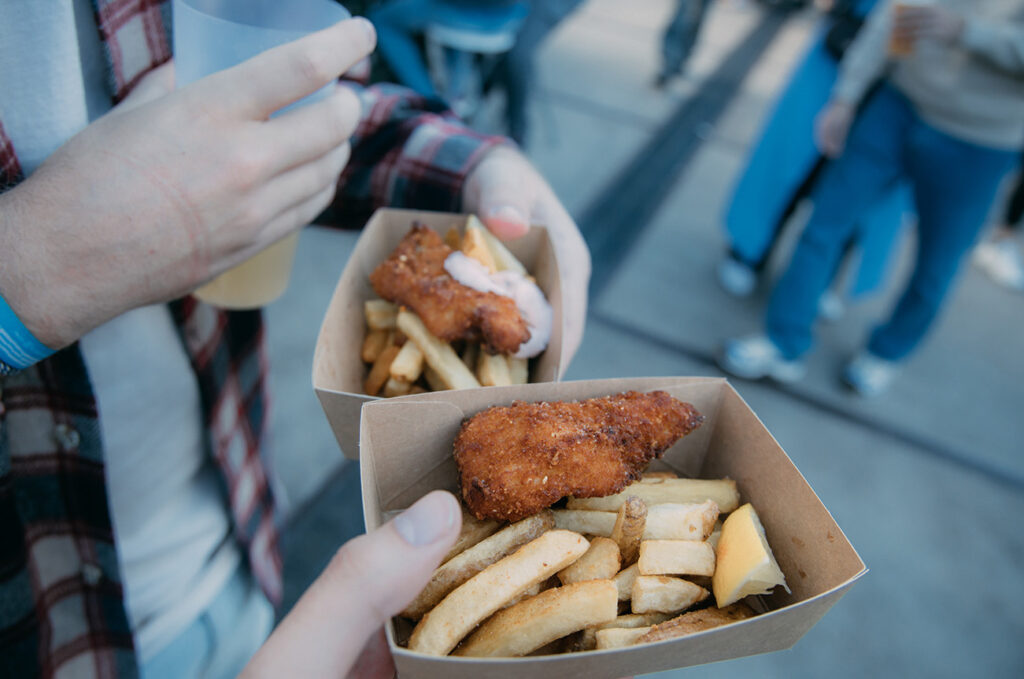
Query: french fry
[408, 364]
[439, 355]
[473, 245]
[519, 370]
[672, 521]
[624, 580]
[716, 533]
[504, 260]
[588, 640]
[634, 620]
[533, 590]
[540, 620]
[434, 380]
[380, 314]
[696, 621]
[492, 370]
[473, 531]
[374, 343]
[680, 491]
[618, 637]
[453, 239]
[585, 521]
[473, 560]
[395, 387]
[470, 354]
[440, 630]
[629, 528]
[649, 477]
[676, 557]
[601, 562]
[661, 594]
[379, 372]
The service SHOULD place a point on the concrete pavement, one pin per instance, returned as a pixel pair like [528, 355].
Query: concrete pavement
[926, 481]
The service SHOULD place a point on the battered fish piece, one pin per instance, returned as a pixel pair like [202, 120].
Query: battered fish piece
[515, 461]
[414, 276]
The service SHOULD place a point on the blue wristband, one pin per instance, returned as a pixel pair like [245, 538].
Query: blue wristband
[18, 346]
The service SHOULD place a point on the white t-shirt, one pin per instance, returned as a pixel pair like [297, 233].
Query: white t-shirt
[169, 512]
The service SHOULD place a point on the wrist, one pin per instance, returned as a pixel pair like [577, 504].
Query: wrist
[24, 279]
[19, 348]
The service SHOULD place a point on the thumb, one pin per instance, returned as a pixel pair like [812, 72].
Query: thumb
[502, 194]
[370, 579]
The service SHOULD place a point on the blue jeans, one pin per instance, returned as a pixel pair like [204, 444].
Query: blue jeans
[398, 21]
[954, 184]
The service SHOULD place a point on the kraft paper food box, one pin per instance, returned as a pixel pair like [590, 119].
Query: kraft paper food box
[338, 371]
[406, 451]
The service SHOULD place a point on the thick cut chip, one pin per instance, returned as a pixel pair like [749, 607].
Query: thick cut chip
[659, 491]
[446, 624]
[541, 619]
[661, 594]
[672, 521]
[475, 559]
[696, 621]
[676, 557]
[586, 522]
[601, 562]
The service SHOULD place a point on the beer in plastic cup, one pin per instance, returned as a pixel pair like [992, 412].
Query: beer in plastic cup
[901, 46]
[212, 35]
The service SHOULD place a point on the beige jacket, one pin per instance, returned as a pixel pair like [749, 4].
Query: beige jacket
[973, 90]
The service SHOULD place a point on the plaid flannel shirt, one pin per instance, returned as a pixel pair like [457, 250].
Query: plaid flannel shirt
[61, 599]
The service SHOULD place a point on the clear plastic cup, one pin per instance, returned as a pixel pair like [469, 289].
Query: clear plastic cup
[211, 35]
[902, 46]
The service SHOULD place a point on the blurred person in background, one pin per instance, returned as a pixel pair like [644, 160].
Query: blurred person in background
[402, 23]
[138, 533]
[948, 120]
[679, 39]
[516, 70]
[999, 256]
[784, 166]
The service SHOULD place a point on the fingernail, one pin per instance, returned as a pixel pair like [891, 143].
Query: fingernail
[427, 520]
[506, 213]
[371, 32]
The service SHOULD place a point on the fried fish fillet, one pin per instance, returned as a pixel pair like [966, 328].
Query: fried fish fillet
[414, 276]
[514, 461]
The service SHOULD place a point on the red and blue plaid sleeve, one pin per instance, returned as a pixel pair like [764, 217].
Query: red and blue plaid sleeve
[408, 151]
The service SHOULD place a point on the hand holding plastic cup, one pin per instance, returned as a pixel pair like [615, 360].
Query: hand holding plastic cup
[212, 35]
[901, 44]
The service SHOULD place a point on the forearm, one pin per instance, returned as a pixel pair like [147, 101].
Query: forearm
[408, 151]
[865, 59]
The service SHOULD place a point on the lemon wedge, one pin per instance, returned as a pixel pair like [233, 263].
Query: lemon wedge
[745, 564]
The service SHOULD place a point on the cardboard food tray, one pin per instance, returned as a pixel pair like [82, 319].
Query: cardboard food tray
[406, 451]
[338, 371]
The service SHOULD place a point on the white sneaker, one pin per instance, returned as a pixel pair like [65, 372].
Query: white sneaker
[870, 375]
[756, 357]
[1001, 260]
[738, 279]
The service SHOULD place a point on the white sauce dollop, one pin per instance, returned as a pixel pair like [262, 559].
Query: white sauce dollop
[528, 297]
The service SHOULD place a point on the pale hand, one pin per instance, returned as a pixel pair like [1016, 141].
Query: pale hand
[171, 188]
[928, 22]
[832, 128]
[335, 630]
[508, 195]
